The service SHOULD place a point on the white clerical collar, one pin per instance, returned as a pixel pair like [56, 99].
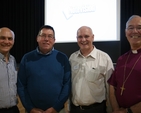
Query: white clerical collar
[134, 51]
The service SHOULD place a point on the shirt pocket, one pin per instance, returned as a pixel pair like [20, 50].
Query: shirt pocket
[93, 75]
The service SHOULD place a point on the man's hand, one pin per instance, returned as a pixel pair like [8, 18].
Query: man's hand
[50, 110]
[121, 110]
[36, 110]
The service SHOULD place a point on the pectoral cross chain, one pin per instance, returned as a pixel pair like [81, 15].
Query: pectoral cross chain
[122, 89]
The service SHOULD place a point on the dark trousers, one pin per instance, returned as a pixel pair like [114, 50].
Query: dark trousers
[94, 108]
[13, 109]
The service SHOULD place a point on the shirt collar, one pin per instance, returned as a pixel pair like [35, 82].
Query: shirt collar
[92, 53]
[38, 51]
[2, 57]
[136, 51]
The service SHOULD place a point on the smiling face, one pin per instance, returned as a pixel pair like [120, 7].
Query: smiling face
[133, 32]
[85, 39]
[6, 40]
[46, 40]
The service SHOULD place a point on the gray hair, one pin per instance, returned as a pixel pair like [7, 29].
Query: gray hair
[133, 16]
[13, 34]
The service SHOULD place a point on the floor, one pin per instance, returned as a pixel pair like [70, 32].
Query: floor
[20, 106]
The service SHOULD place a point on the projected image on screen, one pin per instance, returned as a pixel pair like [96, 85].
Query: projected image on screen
[66, 16]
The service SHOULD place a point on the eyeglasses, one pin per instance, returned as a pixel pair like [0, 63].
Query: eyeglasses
[131, 29]
[48, 36]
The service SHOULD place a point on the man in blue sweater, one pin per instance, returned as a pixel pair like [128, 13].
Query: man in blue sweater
[44, 78]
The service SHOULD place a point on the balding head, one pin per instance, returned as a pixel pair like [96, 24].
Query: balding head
[85, 38]
[7, 30]
[6, 40]
[86, 28]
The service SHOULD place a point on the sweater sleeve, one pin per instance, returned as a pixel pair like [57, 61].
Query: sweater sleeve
[66, 87]
[22, 87]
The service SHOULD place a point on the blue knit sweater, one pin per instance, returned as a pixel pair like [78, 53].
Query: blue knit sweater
[44, 81]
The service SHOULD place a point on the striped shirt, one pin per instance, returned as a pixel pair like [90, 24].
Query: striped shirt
[8, 80]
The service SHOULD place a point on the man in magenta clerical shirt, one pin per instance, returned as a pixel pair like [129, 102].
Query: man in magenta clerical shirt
[125, 82]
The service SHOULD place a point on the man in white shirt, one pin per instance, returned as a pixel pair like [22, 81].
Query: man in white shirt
[91, 68]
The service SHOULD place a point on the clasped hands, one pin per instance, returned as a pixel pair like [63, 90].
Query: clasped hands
[49, 110]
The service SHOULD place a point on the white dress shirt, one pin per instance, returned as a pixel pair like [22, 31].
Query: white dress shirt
[89, 77]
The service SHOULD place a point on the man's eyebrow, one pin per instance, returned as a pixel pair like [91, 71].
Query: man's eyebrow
[133, 25]
[2, 36]
[5, 37]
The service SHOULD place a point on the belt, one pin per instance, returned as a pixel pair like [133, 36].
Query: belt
[8, 108]
[90, 106]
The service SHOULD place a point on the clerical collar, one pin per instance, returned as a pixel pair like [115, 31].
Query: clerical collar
[134, 51]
